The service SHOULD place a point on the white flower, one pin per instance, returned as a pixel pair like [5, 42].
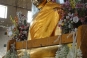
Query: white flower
[69, 14]
[26, 55]
[60, 22]
[75, 19]
[64, 20]
[67, 17]
[71, 19]
[79, 53]
[62, 52]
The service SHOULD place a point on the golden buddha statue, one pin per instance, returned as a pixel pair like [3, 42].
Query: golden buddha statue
[45, 23]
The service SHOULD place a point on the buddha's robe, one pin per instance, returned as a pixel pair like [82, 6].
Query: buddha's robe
[45, 23]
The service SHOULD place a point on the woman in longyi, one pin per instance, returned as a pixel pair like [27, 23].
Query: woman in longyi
[45, 22]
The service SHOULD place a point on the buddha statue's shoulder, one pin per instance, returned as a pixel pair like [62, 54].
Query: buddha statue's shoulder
[51, 5]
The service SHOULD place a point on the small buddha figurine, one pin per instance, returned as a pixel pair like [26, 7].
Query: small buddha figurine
[45, 22]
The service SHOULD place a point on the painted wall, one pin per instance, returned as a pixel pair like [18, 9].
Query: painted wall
[13, 7]
[3, 40]
[23, 6]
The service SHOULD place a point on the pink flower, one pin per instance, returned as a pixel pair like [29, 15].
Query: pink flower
[66, 4]
[79, 5]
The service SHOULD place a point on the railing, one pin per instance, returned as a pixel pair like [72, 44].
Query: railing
[49, 41]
